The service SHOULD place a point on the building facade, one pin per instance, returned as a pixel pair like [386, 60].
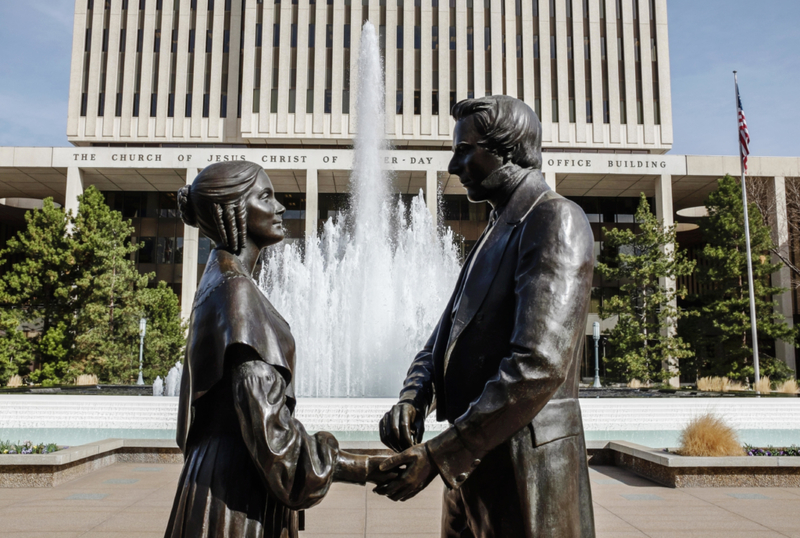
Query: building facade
[159, 89]
[270, 72]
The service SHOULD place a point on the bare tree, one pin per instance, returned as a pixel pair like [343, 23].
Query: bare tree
[760, 191]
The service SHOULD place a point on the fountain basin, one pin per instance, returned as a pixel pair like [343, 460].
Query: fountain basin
[74, 420]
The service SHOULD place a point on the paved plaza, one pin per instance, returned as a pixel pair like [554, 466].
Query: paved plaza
[133, 501]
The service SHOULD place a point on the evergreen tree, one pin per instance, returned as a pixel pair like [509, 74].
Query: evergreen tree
[164, 340]
[725, 305]
[16, 351]
[106, 293]
[77, 281]
[643, 336]
[39, 287]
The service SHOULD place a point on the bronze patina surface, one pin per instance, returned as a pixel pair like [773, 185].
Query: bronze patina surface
[502, 364]
[250, 466]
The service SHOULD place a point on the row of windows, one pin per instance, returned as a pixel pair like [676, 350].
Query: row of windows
[152, 101]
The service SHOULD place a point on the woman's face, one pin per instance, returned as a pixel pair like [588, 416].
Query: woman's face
[264, 213]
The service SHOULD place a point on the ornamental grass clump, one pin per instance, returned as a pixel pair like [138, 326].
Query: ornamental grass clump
[86, 379]
[718, 384]
[709, 436]
[787, 387]
[763, 385]
[635, 384]
[14, 381]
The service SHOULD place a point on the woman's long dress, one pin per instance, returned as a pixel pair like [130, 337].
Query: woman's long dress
[249, 464]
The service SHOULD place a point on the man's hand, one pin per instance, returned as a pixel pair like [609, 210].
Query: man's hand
[402, 427]
[415, 470]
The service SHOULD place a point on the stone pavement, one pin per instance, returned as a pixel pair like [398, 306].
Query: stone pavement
[133, 501]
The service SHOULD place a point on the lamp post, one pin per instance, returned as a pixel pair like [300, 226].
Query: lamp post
[142, 330]
[596, 336]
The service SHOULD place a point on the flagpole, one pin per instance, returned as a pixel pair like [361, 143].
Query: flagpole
[754, 328]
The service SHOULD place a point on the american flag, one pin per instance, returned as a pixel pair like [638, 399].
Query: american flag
[744, 134]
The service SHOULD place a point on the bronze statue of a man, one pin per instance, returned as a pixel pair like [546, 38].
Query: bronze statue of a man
[502, 364]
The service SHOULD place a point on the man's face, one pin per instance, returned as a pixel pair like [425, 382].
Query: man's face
[472, 163]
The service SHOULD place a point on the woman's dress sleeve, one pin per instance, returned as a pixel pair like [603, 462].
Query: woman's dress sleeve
[296, 467]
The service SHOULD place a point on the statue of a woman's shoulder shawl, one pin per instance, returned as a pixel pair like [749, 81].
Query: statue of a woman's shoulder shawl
[229, 309]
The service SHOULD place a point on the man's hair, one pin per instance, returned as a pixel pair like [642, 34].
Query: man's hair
[508, 128]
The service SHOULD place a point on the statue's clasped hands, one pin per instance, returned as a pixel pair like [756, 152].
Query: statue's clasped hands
[410, 471]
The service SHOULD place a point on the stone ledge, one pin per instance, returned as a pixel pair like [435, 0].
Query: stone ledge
[49, 470]
[672, 470]
[677, 471]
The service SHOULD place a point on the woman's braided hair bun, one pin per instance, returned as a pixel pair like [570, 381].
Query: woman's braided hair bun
[185, 206]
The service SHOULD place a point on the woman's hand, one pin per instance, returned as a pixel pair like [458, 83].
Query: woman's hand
[374, 472]
[360, 469]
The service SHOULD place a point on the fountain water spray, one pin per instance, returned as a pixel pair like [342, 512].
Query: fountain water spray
[363, 297]
[158, 386]
[173, 382]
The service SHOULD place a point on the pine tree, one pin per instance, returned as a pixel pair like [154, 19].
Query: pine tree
[725, 303]
[106, 293]
[16, 351]
[115, 297]
[164, 340]
[39, 286]
[643, 337]
[76, 282]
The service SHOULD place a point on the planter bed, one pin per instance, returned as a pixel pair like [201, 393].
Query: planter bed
[49, 470]
[672, 470]
[677, 471]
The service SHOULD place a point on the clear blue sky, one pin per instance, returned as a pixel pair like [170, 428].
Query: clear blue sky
[708, 40]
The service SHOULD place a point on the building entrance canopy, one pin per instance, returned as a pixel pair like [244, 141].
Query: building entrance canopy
[42, 172]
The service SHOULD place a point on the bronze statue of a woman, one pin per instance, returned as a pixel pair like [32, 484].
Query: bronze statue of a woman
[249, 464]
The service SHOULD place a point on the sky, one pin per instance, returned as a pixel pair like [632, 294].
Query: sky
[708, 40]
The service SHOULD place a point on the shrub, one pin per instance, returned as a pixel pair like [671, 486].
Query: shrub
[787, 387]
[7, 447]
[772, 451]
[709, 436]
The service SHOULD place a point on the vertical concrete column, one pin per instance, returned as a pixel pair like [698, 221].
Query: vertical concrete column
[550, 179]
[312, 202]
[432, 193]
[190, 251]
[74, 189]
[783, 277]
[664, 213]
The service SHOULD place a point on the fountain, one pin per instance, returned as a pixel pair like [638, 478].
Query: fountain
[173, 383]
[158, 386]
[363, 297]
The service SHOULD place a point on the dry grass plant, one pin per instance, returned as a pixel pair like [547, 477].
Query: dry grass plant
[635, 384]
[709, 436]
[787, 387]
[704, 384]
[86, 379]
[733, 385]
[15, 381]
[718, 384]
[764, 386]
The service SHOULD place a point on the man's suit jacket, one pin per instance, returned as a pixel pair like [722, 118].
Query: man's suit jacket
[502, 369]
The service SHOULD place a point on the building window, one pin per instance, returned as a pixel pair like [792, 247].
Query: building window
[146, 252]
[203, 250]
[165, 250]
